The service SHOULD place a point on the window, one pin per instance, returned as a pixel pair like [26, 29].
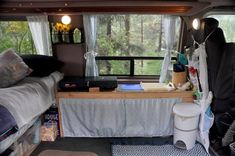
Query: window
[227, 24]
[16, 35]
[131, 44]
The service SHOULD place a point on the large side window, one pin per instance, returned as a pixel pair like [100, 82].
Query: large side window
[227, 23]
[16, 35]
[132, 44]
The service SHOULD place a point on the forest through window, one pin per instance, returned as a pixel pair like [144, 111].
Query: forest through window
[132, 35]
[16, 35]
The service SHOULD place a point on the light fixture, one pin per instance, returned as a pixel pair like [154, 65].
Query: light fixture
[196, 24]
[66, 19]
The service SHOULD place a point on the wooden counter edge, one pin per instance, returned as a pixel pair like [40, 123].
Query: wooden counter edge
[127, 95]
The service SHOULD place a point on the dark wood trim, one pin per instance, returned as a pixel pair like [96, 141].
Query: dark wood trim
[96, 9]
[140, 9]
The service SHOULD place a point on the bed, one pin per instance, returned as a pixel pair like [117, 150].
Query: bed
[22, 104]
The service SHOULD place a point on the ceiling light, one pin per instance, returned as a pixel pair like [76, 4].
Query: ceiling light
[66, 19]
[196, 24]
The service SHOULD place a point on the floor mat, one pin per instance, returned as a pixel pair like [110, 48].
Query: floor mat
[153, 150]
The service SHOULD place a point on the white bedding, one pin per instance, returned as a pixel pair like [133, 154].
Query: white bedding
[30, 97]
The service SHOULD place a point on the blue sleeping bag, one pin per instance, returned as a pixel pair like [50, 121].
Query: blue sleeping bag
[8, 124]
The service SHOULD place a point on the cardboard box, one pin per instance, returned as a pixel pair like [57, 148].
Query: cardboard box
[51, 117]
[48, 132]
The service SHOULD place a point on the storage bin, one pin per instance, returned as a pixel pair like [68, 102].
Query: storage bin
[29, 141]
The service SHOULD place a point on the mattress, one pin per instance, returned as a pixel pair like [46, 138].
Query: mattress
[25, 101]
[30, 97]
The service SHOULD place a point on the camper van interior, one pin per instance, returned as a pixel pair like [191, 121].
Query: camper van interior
[120, 78]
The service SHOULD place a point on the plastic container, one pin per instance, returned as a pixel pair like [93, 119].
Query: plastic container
[31, 138]
[77, 36]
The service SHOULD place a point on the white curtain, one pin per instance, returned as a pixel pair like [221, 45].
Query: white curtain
[39, 27]
[117, 117]
[169, 24]
[90, 23]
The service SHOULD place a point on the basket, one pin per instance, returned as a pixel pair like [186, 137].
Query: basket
[179, 78]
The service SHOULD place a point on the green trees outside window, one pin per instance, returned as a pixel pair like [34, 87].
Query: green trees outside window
[16, 35]
[132, 35]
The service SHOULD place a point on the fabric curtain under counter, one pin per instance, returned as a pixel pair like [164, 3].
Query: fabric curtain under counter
[117, 117]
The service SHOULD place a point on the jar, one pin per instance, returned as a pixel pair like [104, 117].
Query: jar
[65, 37]
[55, 37]
[76, 36]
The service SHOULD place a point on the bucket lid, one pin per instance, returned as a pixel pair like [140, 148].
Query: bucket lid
[186, 109]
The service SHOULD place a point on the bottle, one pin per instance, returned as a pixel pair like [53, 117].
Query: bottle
[76, 36]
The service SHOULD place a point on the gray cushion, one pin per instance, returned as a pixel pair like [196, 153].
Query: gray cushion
[12, 68]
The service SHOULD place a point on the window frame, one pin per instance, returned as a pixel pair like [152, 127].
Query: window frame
[220, 12]
[131, 59]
